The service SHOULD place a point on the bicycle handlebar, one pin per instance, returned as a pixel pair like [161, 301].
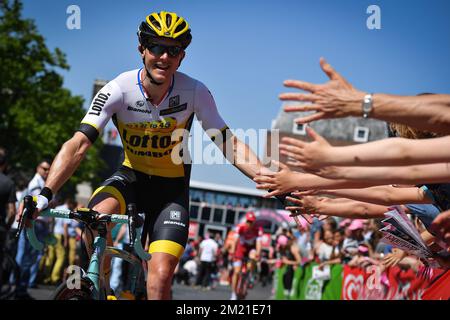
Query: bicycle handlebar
[84, 215]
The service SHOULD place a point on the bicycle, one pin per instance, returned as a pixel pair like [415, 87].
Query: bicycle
[243, 282]
[91, 285]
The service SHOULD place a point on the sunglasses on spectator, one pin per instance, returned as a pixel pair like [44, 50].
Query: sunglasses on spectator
[45, 168]
[158, 49]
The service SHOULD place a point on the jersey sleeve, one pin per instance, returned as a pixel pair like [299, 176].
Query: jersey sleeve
[104, 105]
[207, 113]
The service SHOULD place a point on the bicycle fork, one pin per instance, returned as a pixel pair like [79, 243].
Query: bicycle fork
[95, 265]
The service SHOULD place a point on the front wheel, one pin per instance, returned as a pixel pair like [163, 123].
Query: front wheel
[242, 286]
[82, 292]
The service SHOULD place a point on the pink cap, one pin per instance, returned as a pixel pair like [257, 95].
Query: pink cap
[363, 249]
[345, 223]
[282, 240]
[356, 224]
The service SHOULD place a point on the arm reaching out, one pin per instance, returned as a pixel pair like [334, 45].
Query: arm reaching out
[382, 195]
[338, 98]
[419, 174]
[388, 152]
[286, 181]
[339, 207]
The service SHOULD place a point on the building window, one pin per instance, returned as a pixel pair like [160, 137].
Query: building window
[230, 217]
[218, 215]
[299, 128]
[194, 211]
[361, 134]
[206, 213]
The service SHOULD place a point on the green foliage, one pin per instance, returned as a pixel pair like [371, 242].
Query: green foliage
[37, 115]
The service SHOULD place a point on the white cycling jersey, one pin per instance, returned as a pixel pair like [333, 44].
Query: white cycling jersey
[145, 129]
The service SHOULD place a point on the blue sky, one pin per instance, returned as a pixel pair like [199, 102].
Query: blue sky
[243, 50]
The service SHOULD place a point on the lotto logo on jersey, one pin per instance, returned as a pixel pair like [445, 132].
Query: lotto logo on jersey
[175, 215]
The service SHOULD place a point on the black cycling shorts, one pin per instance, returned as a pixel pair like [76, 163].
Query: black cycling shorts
[165, 202]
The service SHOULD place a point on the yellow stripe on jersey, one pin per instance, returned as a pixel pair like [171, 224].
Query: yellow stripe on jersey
[115, 193]
[166, 246]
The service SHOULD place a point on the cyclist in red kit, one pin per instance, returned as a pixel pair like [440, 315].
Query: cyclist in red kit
[248, 237]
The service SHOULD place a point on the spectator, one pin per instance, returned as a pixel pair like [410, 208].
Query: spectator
[61, 232]
[207, 253]
[367, 230]
[289, 255]
[324, 248]
[191, 267]
[27, 257]
[354, 238]
[7, 196]
[303, 236]
[7, 207]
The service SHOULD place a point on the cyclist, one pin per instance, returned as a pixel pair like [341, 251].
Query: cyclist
[147, 105]
[247, 237]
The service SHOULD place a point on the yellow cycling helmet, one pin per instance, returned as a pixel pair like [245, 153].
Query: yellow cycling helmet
[167, 25]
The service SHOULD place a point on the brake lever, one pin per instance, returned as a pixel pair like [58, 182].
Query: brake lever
[27, 208]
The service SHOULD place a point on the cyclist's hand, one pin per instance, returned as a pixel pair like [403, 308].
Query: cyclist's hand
[40, 202]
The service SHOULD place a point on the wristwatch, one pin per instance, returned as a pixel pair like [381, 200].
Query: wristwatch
[367, 105]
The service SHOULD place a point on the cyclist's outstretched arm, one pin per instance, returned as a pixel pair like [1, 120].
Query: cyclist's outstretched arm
[235, 151]
[67, 161]
[241, 156]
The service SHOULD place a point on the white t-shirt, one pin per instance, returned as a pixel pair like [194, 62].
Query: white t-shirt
[208, 249]
[324, 251]
[191, 267]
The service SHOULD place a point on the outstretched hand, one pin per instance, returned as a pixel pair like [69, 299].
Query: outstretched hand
[308, 206]
[394, 258]
[441, 227]
[335, 99]
[307, 155]
[278, 183]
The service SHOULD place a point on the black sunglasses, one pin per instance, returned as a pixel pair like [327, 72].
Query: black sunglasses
[159, 49]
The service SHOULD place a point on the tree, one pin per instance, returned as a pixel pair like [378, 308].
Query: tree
[37, 115]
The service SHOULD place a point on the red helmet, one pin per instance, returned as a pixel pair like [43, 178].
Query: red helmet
[250, 216]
